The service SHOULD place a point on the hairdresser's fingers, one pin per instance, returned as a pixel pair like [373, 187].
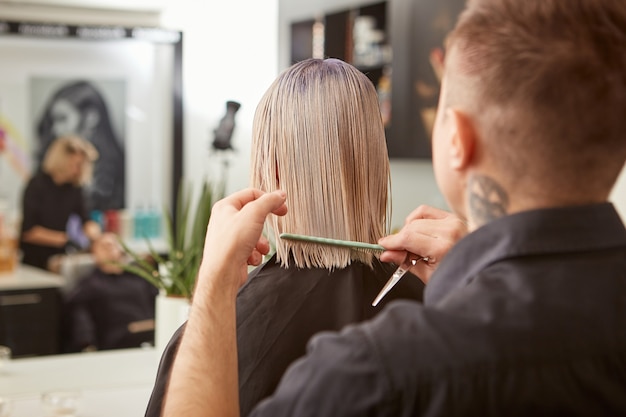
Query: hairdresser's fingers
[426, 212]
[240, 198]
[255, 258]
[424, 270]
[237, 221]
[263, 246]
[264, 203]
[429, 233]
[407, 240]
[426, 227]
[234, 233]
[393, 256]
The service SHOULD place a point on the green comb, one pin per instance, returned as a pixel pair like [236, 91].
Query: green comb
[333, 242]
[369, 247]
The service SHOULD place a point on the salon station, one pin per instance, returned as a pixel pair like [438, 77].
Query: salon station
[154, 100]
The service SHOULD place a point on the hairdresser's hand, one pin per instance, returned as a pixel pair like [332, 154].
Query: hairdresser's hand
[427, 232]
[233, 240]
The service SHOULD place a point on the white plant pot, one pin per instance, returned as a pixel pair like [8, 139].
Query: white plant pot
[171, 312]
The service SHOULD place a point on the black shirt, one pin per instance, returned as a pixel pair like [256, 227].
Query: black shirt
[279, 309]
[49, 205]
[526, 316]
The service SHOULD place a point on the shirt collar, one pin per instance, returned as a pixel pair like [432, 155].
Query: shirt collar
[544, 231]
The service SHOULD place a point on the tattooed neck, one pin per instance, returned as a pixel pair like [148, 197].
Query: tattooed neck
[487, 199]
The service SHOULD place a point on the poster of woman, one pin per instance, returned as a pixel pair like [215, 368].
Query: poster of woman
[92, 110]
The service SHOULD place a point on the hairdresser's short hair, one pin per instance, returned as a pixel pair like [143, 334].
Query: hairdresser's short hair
[546, 81]
[318, 135]
[64, 147]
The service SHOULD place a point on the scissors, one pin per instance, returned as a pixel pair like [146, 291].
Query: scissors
[409, 261]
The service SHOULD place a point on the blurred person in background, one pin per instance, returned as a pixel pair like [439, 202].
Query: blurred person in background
[110, 308]
[54, 217]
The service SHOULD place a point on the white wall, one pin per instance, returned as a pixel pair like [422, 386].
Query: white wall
[230, 53]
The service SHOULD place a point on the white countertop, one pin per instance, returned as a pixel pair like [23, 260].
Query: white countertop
[73, 268]
[29, 277]
[111, 383]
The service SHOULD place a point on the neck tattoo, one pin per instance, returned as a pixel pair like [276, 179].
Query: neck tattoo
[487, 199]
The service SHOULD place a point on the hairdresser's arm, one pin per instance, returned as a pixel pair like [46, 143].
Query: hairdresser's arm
[427, 232]
[204, 375]
[43, 236]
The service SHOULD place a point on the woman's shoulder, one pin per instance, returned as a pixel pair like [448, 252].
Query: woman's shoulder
[36, 186]
[38, 179]
[272, 276]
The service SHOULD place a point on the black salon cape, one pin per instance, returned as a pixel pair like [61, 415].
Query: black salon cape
[279, 309]
[100, 308]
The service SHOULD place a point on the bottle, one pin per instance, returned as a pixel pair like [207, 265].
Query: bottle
[155, 223]
[8, 240]
[111, 219]
[139, 224]
[126, 229]
[98, 217]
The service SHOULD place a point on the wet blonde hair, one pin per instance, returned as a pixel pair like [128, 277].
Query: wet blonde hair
[62, 148]
[318, 135]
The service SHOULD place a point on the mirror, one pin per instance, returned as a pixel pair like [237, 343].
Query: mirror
[134, 74]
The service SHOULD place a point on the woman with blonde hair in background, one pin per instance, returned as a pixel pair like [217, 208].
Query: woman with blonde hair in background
[318, 135]
[53, 200]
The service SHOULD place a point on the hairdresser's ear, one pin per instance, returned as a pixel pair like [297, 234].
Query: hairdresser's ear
[464, 140]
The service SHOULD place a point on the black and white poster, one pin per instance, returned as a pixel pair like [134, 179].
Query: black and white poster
[90, 109]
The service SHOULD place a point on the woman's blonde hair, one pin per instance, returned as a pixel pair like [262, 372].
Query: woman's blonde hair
[318, 135]
[55, 160]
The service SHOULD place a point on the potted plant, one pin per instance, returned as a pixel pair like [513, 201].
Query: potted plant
[174, 272]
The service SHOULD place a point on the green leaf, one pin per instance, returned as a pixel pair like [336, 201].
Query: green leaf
[185, 235]
[144, 274]
[147, 266]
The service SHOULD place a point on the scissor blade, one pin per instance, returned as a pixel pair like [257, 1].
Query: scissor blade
[390, 284]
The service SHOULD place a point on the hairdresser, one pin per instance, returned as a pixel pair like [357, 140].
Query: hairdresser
[54, 216]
